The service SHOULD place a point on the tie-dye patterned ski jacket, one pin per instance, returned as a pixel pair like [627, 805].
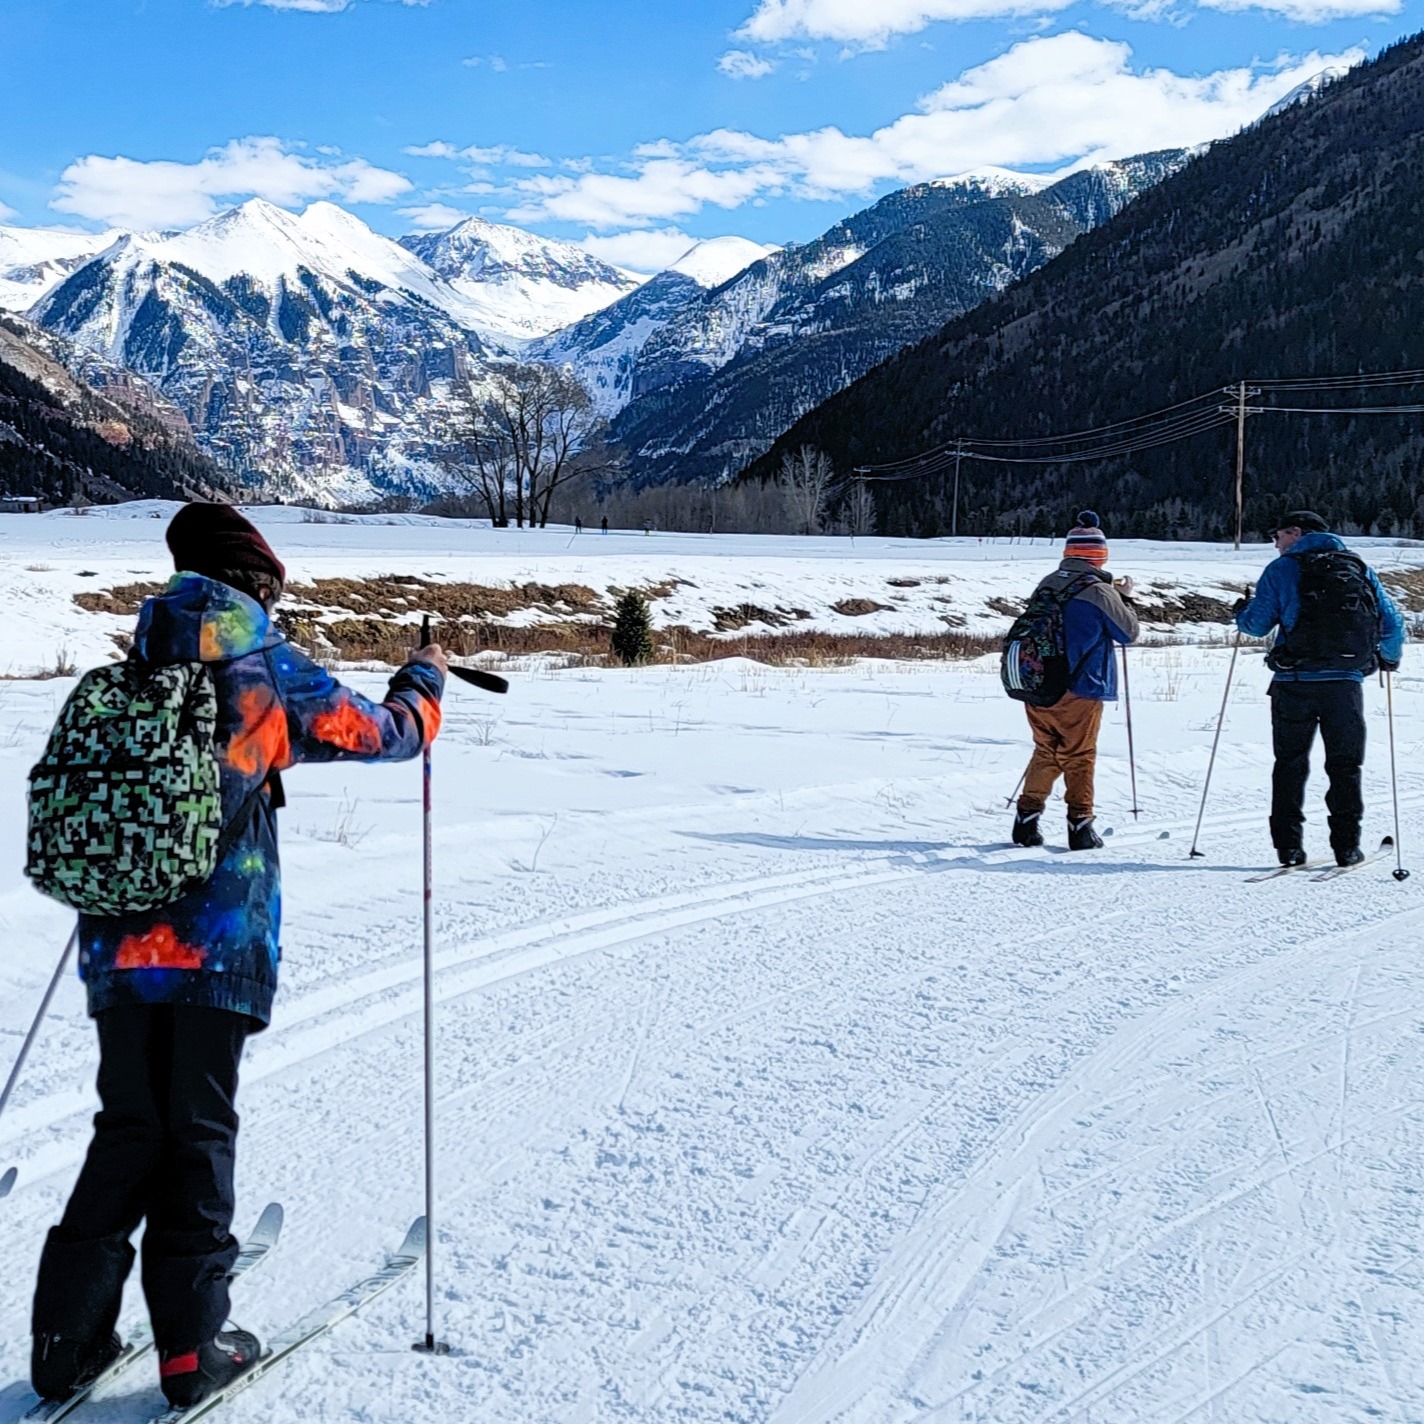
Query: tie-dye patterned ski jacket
[219, 945]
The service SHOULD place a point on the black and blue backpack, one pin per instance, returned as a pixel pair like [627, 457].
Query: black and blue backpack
[1034, 667]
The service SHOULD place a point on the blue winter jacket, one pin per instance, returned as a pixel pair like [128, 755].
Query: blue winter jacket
[1277, 605]
[1095, 621]
[218, 946]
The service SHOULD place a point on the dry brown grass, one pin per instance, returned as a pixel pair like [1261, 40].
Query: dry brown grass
[123, 600]
[369, 640]
[397, 594]
[733, 620]
[1407, 585]
[859, 607]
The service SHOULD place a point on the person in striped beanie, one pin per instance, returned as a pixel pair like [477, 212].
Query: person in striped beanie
[1097, 618]
[1086, 540]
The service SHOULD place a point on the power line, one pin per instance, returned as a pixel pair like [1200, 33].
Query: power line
[1180, 421]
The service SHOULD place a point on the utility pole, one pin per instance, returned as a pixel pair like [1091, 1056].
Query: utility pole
[1240, 455]
[954, 513]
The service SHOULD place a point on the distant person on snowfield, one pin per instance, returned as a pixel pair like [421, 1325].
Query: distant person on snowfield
[176, 990]
[605, 524]
[1336, 625]
[1074, 621]
[578, 524]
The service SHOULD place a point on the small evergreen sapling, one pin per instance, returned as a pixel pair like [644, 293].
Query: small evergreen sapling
[632, 630]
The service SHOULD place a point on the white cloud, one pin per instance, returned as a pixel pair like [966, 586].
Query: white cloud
[872, 24]
[496, 62]
[1311, 12]
[1047, 101]
[646, 250]
[310, 7]
[129, 192]
[7, 212]
[743, 64]
[496, 155]
[432, 217]
[662, 188]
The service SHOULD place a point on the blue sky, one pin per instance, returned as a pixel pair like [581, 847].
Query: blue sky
[629, 125]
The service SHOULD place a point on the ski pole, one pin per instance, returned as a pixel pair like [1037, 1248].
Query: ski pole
[430, 1345]
[1215, 742]
[34, 1032]
[489, 682]
[1400, 873]
[1131, 753]
[1023, 776]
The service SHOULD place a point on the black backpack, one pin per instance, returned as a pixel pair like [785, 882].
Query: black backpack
[1034, 667]
[1339, 628]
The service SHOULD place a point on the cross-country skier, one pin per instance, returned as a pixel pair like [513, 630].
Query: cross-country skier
[1065, 736]
[1336, 625]
[176, 991]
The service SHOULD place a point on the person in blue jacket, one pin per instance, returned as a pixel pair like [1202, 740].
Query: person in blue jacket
[1096, 619]
[1335, 625]
[176, 991]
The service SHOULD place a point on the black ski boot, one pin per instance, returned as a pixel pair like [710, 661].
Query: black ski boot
[60, 1368]
[1350, 855]
[1026, 832]
[1290, 856]
[1082, 836]
[190, 1378]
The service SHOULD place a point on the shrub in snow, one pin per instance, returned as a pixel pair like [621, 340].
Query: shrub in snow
[632, 630]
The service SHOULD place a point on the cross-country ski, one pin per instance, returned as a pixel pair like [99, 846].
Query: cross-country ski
[254, 1252]
[312, 1326]
[1386, 848]
[762, 666]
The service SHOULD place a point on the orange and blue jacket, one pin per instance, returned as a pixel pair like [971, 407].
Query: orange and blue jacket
[219, 946]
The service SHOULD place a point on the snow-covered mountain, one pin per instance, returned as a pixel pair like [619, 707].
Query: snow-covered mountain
[1307, 90]
[35, 260]
[603, 349]
[714, 387]
[518, 286]
[306, 350]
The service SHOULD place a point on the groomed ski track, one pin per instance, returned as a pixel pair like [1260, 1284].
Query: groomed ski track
[810, 1104]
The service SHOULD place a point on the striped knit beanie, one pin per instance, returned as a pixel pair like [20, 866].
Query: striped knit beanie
[1087, 540]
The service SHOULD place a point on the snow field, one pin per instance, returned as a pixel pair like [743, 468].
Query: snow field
[774, 1087]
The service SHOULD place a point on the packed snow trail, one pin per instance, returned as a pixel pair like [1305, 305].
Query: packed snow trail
[774, 1087]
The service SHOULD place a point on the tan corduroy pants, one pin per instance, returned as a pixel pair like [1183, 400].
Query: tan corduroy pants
[1065, 743]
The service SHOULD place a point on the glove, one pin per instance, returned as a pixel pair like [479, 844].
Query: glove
[1239, 606]
[1387, 664]
[1125, 585]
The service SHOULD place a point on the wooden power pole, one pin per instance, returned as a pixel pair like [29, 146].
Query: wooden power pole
[1240, 455]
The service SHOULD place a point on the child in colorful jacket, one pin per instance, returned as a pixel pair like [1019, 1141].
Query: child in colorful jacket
[176, 991]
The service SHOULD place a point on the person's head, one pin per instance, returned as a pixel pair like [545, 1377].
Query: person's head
[216, 541]
[1086, 540]
[1294, 527]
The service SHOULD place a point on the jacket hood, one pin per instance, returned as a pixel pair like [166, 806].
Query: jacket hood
[1315, 544]
[1075, 566]
[198, 619]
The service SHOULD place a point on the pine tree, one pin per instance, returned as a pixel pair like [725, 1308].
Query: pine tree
[633, 630]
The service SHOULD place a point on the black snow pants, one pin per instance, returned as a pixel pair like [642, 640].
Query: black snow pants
[162, 1153]
[1297, 709]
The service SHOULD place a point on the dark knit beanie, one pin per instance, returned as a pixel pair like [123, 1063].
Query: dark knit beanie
[1305, 520]
[1087, 540]
[213, 538]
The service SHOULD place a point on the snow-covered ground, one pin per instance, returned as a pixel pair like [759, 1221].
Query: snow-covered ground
[773, 1088]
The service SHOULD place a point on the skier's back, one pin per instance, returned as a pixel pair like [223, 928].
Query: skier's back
[175, 991]
[1335, 624]
[1096, 619]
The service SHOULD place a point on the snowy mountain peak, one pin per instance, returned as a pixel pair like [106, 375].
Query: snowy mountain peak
[1308, 90]
[518, 285]
[719, 259]
[996, 182]
[35, 260]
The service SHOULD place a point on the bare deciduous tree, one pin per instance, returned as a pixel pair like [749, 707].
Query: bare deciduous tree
[808, 474]
[858, 511]
[522, 431]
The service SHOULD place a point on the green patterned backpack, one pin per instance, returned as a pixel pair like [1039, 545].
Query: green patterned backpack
[125, 805]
